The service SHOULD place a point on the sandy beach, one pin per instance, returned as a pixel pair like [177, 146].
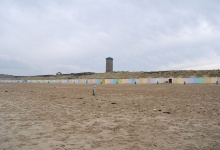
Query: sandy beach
[118, 117]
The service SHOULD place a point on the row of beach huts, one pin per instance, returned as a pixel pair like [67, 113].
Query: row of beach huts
[207, 80]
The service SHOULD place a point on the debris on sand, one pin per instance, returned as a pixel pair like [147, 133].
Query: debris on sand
[166, 112]
[114, 103]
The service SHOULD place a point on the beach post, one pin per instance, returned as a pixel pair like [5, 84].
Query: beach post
[94, 90]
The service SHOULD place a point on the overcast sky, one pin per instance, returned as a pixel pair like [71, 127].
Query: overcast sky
[71, 36]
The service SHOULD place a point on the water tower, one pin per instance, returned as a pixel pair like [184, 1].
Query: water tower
[109, 64]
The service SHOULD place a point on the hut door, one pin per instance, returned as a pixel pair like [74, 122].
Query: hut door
[170, 80]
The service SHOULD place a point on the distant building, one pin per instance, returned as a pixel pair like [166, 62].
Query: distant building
[58, 73]
[109, 64]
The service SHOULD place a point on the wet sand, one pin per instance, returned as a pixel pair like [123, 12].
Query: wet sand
[67, 116]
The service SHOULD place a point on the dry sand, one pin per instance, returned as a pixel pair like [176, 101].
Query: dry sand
[67, 116]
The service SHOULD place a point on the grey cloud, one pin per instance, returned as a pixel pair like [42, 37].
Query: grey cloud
[10, 64]
[74, 36]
